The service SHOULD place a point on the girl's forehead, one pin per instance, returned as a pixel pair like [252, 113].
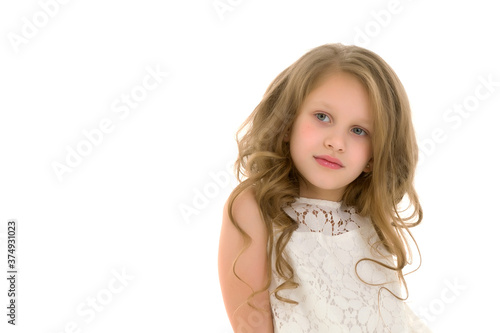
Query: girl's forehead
[341, 92]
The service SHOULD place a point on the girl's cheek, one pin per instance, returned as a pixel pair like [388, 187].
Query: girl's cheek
[307, 130]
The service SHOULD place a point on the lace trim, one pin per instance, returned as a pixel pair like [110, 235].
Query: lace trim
[323, 216]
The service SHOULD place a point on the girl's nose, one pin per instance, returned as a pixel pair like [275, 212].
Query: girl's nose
[335, 141]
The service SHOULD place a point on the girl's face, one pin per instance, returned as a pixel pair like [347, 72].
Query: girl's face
[330, 141]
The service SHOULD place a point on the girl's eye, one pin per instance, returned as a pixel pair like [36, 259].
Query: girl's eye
[359, 131]
[322, 117]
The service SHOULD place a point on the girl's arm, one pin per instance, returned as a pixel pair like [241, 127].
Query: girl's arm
[250, 267]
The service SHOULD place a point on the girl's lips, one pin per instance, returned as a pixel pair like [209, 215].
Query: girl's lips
[329, 162]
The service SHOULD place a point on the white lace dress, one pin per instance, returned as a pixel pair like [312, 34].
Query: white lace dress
[323, 252]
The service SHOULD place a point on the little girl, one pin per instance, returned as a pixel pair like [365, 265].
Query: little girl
[312, 238]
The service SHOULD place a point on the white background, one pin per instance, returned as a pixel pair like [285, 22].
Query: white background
[119, 210]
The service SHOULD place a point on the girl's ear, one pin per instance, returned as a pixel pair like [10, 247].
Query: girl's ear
[369, 166]
[286, 137]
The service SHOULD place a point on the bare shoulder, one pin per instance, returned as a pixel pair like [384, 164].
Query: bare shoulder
[243, 267]
[246, 212]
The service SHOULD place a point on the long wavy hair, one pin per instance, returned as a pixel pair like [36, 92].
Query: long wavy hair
[265, 165]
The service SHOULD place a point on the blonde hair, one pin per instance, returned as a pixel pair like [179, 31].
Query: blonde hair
[264, 162]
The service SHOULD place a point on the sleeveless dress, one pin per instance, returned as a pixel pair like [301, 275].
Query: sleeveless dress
[323, 252]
